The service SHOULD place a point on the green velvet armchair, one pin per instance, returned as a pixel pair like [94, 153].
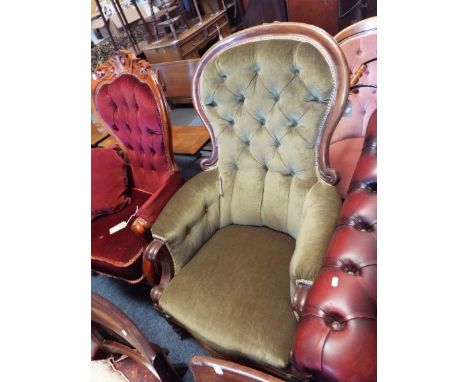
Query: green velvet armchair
[236, 243]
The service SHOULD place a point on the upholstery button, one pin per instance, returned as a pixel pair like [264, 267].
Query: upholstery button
[187, 230]
[361, 226]
[359, 52]
[206, 209]
[241, 98]
[293, 124]
[336, 325]
[295, 70]
[276, 98]
[212, 104]
[262, 121]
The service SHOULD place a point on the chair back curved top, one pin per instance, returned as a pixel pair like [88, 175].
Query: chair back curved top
[128, 101]
[271, 97]
[359, 44]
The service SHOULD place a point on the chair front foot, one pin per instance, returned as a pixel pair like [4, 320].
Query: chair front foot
[155, 294]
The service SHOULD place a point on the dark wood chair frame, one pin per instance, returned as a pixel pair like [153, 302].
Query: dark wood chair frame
[112, 332]
[157, 252]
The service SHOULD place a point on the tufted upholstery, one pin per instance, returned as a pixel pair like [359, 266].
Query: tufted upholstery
[266, 120]
[129, 109]
[129, 103]
[337, 333]
[347, 140]
[265, 95]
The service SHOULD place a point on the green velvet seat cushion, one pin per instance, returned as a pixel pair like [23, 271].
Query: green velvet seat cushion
[233, 295]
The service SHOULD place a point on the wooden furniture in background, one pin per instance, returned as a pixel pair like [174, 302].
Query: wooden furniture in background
[321, 13]
[112, 332]
[177, 78]
[186, 140]
[330, 15]
[189, 140]
[188, 43]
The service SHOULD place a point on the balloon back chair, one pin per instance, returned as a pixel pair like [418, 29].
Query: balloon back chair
[129, 103]
[237, 240]
[359, 44]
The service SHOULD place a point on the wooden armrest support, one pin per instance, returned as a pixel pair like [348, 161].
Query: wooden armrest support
[158, 254]
[140, 226]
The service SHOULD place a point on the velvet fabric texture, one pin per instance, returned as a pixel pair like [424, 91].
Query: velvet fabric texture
[108, 182]
[119, 254]
[129, 109]
[266, 101]
[233, 295]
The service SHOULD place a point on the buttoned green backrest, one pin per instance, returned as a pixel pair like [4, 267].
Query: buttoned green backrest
[266, 101]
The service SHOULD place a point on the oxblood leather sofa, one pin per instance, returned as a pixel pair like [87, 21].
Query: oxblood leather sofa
[336, 339]
[128, 101]
[359, 44]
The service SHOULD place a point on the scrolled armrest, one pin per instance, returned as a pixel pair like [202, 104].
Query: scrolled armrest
[320, 213]
[190, 218]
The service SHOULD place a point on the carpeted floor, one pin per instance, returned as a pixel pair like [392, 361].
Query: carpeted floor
[134, 300]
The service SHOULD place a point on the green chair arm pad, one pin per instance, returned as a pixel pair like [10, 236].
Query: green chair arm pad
[320, 214]
[190, 217]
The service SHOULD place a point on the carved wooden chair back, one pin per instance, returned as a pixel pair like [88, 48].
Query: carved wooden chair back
[271, 97]
[128, 101]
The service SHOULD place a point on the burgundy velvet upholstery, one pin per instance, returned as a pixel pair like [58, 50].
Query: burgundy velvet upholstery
[336, 339]
[108, 182]
[130, 104]
[348, 138]
[118, 255]
[128, 107]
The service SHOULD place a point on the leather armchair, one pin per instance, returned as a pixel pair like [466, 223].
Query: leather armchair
[359, 44]
[337, 335]
[237, 241]
[128, 101]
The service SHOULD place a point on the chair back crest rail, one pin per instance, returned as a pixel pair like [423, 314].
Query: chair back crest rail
[292, 31]
[127, 99]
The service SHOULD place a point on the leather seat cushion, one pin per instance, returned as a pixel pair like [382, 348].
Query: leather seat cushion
[233, 295]
[119, 254]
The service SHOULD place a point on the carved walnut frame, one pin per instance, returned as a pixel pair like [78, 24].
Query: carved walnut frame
[124, 62]
[107, 318]
[294, 31]
[157, 251]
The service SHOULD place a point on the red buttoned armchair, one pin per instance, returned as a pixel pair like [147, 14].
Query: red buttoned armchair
[128, 102]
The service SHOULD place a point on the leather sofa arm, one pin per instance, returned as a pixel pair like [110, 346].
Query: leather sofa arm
[190, 218]
[320, 213]
[337, 335]
[151, 209]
